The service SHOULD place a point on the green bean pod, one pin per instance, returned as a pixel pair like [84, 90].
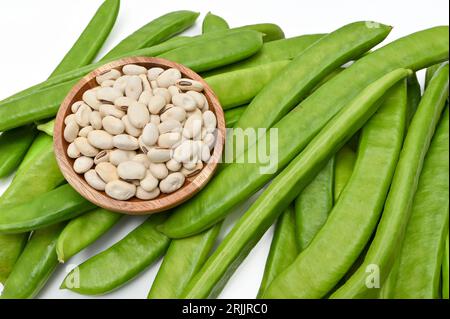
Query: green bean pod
[353, 217]
[231, 48]
[13, 146]
[118, 264]
[155, 32]
[240, 87]
[398, 204]
[283, 249]
[60, 204]
[250, 228]
[233, 115]
[183, 259]
[414, 96]
[313, 205]
[82, 231]
[89, 43]
[270, 31]
[212, 23]
[34, 266]
[11, 247]
[279, 50]
[420, 259]
[445, 271]
[345, 161]
[295, 130]
[430, 72]
[47, 127]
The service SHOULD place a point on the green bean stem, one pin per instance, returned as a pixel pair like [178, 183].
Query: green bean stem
[212, 23]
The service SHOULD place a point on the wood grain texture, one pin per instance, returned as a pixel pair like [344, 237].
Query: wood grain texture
[136, 206]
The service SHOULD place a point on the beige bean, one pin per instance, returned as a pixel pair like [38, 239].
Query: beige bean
[144, 195]
[168, 140]
[168, 77]
[156, 103]
[75, 106]
[193, 126]
[94, 180]
[173, 165]
[169, 126]
[145, 96]
[150, 182]
[100, 139]
[145, 83]
[159, 155]
[190, 173]
[155, 119]
[143, 159]
[198, 97]
[107, 172]
[120, 190]
[70, 118]
[173, 89]
[125, 142]
[190, 165]
[84, 147]
[165, 108]
[113, 125]
[185, 101]
[108, 109]
[72, 151]
[174, 113]
[95, 119]
[154, 85]
[153, 73]
[133, 69]
[171, 183]
[205, 152]
[85, 131]
[129, 128]
[209, 121]
[107, 83]
[210, 140]
[158, 170]
[144, 148]
[185, 151]
[130, 170]
[123, 103]
[82, 115]
[71, 131]
[101, 157]
[82, 164]
[108, 94]
[90, 98]
[189, 85]
[195, 112]
[134, 87]
[121, 83]
[150, 134]
[112, 74]
[164, 93]
[119, 156]
[138, 115]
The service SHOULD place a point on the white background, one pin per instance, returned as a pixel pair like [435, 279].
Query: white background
[34, 36]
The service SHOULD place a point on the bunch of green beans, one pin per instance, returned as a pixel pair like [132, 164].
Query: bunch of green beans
[360, 177]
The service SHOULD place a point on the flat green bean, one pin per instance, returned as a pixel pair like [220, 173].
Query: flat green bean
[420, 259]
[283, 249]
[445, 271]
[414, 96]
[232, 116]
[82, 231]
[11, 247]
[313, 205]
[345, 161]
[397, 208]
[120, 263]
[155, 32]
[13, 147]
[183, 259]
[60, 204]
[249, 229]
[430, 72]
[240, 87]
[34, 266]
[212, 23]
[270, 31]
[241, 180]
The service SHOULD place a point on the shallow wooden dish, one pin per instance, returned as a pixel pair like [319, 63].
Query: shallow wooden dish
[135, 206]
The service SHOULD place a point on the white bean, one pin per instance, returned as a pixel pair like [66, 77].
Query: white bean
[120, 190]
[71, 131]
[70, 118]
[170, 126]
[123, 103]
[107, 83]
[144, 195]
[156, 103]
[159, 155]
[185, 101]
[150, 182]
[133, 69]
[138, 115]
[75, 106]
[168, 77]
[119, 156]
[185, 151]
[171, 183]
[84, 147]
[108, 109]
[85, 131]
[82, 164]
[209, 121]
[193, 126]
[107, 172]
[198, 97]
[101, 157]
[153, 73]
[134, 87]
[72, 151]
[94, 180]
[150, 134]
[100, 139]
[82, 115]
[108, 94]
[155, 119]
[196, 170]
[168, 140]
[121, 83]
[112, 74]
[130, 170]
[113, 125]
[90, 98]
[175, 113]
[145, 96]
[129, 128]
[189, 85]
[173, 165]
[164, 93]
[173, 90]
[145, 83]
[95, 119]
[125, 142]
[210, 140]
[143, 159]
[158, 170]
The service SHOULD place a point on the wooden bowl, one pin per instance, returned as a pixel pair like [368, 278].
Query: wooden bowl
[135, 206]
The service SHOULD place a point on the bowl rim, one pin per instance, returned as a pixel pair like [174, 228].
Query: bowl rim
[136, 206]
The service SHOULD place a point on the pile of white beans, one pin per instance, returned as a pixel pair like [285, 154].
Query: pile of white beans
[141, 132]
